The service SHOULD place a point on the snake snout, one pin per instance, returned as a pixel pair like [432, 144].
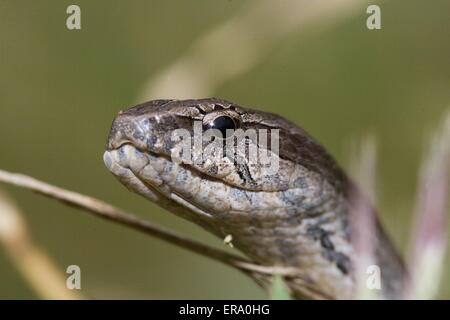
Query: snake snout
[126, 129]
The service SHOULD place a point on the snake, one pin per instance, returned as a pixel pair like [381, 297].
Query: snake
[297, 216]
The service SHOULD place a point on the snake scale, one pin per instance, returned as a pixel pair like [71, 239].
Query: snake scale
[297, 217]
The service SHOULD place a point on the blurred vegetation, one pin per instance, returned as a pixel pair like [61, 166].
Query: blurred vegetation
[60, 89]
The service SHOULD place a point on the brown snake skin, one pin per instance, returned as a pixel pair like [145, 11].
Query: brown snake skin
[297, 217]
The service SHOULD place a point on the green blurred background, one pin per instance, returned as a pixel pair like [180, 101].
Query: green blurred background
[60, 89]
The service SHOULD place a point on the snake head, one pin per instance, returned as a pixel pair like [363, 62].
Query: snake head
[208, 154]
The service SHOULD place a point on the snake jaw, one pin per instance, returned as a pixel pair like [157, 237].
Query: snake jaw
[141, 173]
[126, 176]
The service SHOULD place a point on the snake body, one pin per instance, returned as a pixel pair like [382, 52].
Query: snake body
[297, 217]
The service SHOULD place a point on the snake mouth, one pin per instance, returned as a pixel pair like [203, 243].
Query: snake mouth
[114, 162]
[142, 171]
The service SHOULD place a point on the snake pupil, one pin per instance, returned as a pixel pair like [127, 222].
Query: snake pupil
[221, 123]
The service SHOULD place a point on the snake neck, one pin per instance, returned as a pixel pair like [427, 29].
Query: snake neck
[318, 242]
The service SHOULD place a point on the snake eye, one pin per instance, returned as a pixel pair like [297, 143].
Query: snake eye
[221, 123]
